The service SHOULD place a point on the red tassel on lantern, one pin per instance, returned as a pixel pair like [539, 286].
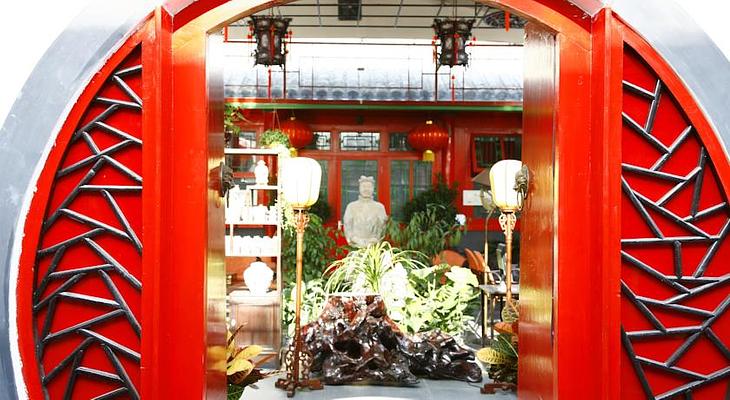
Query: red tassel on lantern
[427, 138]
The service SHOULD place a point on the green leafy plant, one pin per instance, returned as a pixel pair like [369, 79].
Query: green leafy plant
[415, 298]
[272, 137]
[433, 305]
[426, 232]
[322, 209]
[501, 356]
[364, 269]
[441, 194]
[241, 369]
[231, 116]
[320, 249]
[312, 303]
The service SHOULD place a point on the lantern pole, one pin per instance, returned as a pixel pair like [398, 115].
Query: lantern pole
[297, 358]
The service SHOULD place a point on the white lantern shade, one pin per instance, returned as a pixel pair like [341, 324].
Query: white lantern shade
[300, 180]
[502, 179]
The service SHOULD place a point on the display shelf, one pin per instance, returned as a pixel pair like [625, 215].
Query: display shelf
[252, 152]
[270, 254]
[245, 205]
[250, 224]
[239, 294]
[262, 187]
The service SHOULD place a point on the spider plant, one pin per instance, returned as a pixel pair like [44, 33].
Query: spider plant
[363, 270]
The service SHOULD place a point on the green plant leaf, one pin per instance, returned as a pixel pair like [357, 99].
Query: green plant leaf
[235, 391]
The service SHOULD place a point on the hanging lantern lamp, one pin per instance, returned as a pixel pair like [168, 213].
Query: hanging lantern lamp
[427, 138]
[299, 133]
[270, 33]
[453, 36]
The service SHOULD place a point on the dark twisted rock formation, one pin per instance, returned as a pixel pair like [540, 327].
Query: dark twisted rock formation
[354, 341]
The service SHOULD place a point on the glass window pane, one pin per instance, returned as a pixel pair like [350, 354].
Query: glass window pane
[422, 174]
[246, 140]
[399, 142]
[352, 170]
[323, 189]
[488, 151]
[360, 141]
[399, 187]
[513, 147]
[322, 141]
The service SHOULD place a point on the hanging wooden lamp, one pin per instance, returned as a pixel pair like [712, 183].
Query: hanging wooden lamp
[428, 138]
[299, 133]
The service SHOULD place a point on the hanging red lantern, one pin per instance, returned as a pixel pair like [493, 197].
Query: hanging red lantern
[298, 132]
[427, 138]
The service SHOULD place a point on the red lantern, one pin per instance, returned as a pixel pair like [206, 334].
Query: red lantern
[427, 138]
[298, 132]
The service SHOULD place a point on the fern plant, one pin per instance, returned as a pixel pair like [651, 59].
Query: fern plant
[364, 269]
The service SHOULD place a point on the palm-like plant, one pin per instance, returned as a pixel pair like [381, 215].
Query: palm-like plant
[364, 269]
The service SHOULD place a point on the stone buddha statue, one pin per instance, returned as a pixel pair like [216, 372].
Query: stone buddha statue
[365, 218]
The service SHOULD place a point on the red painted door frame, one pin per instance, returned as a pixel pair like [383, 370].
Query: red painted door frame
[574, 326]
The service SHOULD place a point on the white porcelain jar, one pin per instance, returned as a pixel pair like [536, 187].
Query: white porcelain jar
[258, 277]
[261, 172]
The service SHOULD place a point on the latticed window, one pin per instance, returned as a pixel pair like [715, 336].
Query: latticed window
[407, 179]
[359, 141]
[487, 150]
[246, 139]
[323, 192]
[352, 170]
[399, 142]
[322, 141]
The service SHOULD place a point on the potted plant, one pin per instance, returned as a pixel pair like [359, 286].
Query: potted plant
[241, 368]
[501, 355]
[274, 138]
[414, 297]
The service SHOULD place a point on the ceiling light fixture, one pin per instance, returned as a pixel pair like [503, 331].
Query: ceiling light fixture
[453, 35]
[271, 33]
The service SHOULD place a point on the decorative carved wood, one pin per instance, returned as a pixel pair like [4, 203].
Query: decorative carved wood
[675, 256]
[87, 289]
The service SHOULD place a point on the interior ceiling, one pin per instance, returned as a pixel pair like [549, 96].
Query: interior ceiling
[407, 19]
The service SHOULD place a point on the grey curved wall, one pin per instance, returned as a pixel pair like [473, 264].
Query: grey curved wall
[63, 72]
[689, 51]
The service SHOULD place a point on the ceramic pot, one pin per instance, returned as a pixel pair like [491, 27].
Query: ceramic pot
[258, 277]
[261, 172]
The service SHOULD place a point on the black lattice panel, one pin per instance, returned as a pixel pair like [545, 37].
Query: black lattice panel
[675, 253]
[87, 289]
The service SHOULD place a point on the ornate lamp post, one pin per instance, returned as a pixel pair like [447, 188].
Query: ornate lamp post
[508, 180]
[300, 180]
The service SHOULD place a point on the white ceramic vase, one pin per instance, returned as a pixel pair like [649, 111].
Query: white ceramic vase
[261, 172]
[258, 277]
